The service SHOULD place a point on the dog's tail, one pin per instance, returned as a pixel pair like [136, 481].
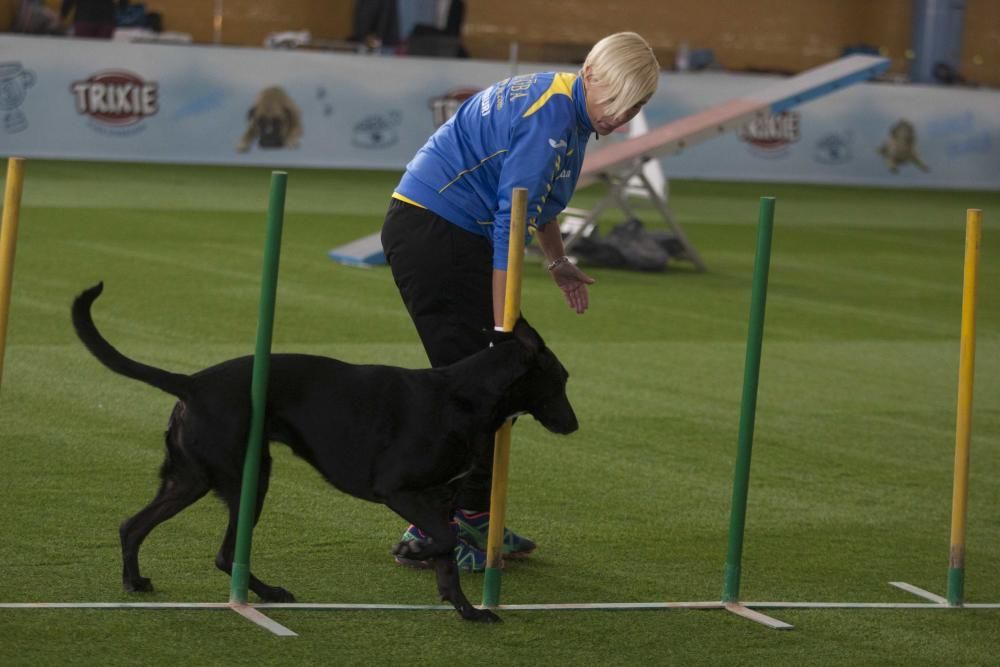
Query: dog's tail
[83, 322]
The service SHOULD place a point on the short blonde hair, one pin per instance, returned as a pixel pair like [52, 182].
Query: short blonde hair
[627, 66]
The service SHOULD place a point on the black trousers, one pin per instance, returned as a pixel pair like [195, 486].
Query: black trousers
[445, 276]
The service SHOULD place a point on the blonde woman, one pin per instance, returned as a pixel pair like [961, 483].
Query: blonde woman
[447, 229]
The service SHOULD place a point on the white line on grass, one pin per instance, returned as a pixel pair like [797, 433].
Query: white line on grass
[114, 605]
[583, 606]
[253, 615]
[744, 609]
[756, 616]
[320, 606]
[910, 588]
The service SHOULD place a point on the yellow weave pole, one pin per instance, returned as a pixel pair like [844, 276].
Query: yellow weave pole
[963, 422]
[501, 450]
[8, 240]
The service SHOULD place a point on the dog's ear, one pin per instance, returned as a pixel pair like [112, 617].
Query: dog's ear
[529, 339]
[480, 393]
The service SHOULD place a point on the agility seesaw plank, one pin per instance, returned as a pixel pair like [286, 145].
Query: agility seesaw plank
[677, 135]
[364, 252]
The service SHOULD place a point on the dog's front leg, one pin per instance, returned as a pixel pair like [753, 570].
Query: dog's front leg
[224, 561]
[433, 518]
[224, 558]
[451, 591]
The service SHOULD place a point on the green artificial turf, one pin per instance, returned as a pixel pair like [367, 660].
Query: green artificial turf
[852, 463]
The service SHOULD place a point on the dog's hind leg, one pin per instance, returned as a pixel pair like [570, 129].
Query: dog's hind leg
[433, 519]
[176, 492]
[224, 558]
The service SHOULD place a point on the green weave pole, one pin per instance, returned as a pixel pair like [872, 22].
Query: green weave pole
[258, 390]
[956, 586]
[748, 405]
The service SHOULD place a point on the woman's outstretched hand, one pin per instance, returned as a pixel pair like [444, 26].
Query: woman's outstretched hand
[573, 283]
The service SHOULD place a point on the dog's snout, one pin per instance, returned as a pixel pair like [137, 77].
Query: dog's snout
[571, 424]
[558, 417]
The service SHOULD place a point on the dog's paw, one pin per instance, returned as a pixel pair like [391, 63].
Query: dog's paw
[409, 549]
[138, 585]
[481, 616]
[276, 594]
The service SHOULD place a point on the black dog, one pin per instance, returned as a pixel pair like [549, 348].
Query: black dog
[400, 437]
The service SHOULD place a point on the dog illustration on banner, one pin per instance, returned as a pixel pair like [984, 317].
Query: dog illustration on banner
[274, 121]
[901, 147]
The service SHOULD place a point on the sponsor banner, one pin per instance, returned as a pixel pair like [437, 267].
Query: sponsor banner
[771, 136]
[115, 100]
[868, 134]
[86, 99]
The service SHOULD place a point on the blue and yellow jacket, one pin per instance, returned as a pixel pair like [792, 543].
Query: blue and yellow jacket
[525, 131]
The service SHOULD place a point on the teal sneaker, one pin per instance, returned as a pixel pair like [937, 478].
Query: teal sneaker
[468, 557]
[474, 528]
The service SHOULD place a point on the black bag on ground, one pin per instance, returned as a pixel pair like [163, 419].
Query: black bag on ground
[627, 246]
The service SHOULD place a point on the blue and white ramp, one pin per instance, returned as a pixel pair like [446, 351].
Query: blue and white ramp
[364, 252]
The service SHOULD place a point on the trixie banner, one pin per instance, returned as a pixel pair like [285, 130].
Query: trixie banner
[84, 99]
